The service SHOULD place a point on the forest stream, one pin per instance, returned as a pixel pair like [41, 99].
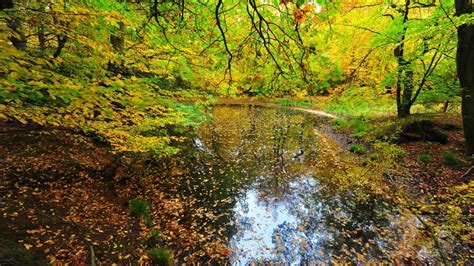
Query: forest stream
[260, 180]
[236, 132]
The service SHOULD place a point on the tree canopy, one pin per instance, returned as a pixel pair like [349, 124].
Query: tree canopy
[97, 64]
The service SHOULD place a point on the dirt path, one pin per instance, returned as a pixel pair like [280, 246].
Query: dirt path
[273, 105]
[313, 111]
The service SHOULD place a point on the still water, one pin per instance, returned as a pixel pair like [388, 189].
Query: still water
[261, 182]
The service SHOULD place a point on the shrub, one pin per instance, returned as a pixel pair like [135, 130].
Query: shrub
[357, 149]
[450, 159]
[160, 255]
[425, 158]
[362, 101]
[373, 156]
[141, 209]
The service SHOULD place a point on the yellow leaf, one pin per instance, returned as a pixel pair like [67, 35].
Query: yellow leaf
[143, 259]
[27, 246]
[21, 120]
[15, 75]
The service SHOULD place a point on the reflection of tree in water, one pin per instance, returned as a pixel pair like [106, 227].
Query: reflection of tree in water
[257, 142]
[335, 225]
[271, 152]
[241, 147]
[359, 227]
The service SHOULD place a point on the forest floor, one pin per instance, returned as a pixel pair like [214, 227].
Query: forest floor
[427, 162]
[59, 194]
[57, 199]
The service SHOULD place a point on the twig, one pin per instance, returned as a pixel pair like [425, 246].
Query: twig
[467, 172]
[447, 15]
[92, 256]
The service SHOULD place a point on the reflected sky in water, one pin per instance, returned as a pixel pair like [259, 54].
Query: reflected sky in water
[272, 231]
[257, 178]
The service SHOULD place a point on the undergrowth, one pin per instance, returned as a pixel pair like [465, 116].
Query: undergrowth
[425, 158]
[357, 127]
[451, 159]
[161, 255]
[357, 149]
[364, 101]
[141, 209]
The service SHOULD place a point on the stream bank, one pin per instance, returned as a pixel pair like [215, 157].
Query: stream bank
[68, 180]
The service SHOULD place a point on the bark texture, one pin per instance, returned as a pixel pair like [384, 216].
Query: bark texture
[465, 69]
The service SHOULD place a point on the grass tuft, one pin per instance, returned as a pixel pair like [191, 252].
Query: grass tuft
[450, 159]
[357, 149]
[139, 207]
[161, 255]
[425, 158]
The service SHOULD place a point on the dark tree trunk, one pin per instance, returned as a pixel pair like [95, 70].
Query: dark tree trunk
[445, 107]
[118, 43]
[118, 40]
[4, 4]
[405, 88]
[403, 110]
[465, 69]
[41, 37]
[62, 39]
[14, 23]
[19, 38]
[404, 72]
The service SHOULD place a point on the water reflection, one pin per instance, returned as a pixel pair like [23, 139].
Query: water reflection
[255, 178]
[272, 231]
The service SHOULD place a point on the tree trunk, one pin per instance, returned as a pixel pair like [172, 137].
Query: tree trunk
[18, 39]
[41, 37]
[445, 107]
[62, 39]
[404, 72]
[465, 69]
[403, 110]
[6, 4]
[118, 43]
